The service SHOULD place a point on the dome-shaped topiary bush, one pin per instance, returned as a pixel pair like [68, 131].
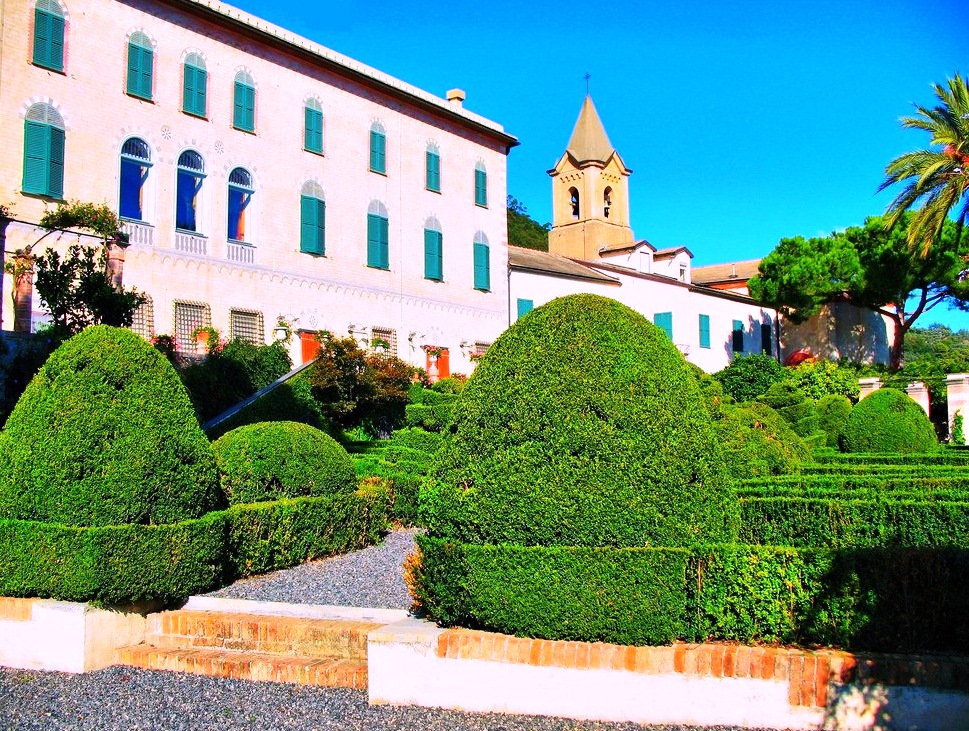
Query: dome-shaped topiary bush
[105, 435]
[833, 412]
[756, 441]
[888, 421]
[582, 426]
[280, 459]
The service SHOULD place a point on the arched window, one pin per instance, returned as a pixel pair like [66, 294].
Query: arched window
[240, 195]
[432, 176]
[482, 262]
[313, 126]
[433, 250]
[49, 35]
[606, 202]
[378, 148]
[378, 236]
[44, 151]
[194, 79]
[480, 185]
[574, 202]
[244, 103]
[189, 177]
[140, 65]
[135, 165]
[312, 220]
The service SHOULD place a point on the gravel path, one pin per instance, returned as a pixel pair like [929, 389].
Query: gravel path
[372, 577]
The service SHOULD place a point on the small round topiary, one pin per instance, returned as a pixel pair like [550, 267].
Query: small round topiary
[582, 426]
[888, 421]
[756, 441]
[280, 459]
[105, 434]
[833, 412]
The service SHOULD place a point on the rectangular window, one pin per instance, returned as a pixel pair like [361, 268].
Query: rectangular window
[766, 338]
[480, 188]
[433, 172]
[43, 160]
[140, 64]
[239, 200]
[378, 151]
[48, 40]
[378, 254]
[189, 317]
[524, 307]
[738, 336]
[187, 187]
[664, 321]
[433, 255]
[247, 325]
[383, 340]
[244, 107]
[704, 331]
[482, 267]
[193, 90]
[143, 319]
[312, 228]
[313, 130]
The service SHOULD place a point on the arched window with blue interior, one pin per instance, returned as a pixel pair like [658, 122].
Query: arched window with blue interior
[135, 166]
[240, 196]
[190, 175]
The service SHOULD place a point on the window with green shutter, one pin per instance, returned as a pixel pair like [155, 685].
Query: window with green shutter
[244, 103]
[766, 338]
[313, 127]
[378, 149]
[433, 250]
[49, 35]
[378, 244]
[432, 177]
[312, 219]
[664, 321]
[140, 65]
[44, 152]
[480, 185]
[482, 263]
[738, 336]
[194, 80]
[704, 331]
[524, 307]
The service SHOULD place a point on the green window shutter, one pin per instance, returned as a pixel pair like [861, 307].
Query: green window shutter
[480, 188]
[384, 243]
[664, 321]
[312, 239]
[377, 243]
[482, 267]
[36, 157]
[48, 40]
[524, 307]
[433, 255]
[56, 185]
[244, 107]
[378, 152]
[433, 177]
[57, 43]
[313, 130]
[704, 331]
[140, 63]
[766, 338]
[738, 336]
[193, 91]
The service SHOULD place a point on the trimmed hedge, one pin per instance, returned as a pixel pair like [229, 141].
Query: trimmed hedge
[263, 537]
[289, 401]
[105, 435]
[946, 457]
[583, 425]
[755, 440]
[897, 600]
[888, 421]
[837, 484]
[833, 412]
[111, 564]
[281, 459]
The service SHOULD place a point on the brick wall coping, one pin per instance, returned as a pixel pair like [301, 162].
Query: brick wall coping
[305, 611]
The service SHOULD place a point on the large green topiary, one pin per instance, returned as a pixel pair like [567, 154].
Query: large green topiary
[888, 421]
[582, 426]
[105, 435]
[281, 459]
[833, 412]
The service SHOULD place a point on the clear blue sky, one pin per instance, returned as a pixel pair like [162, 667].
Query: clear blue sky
[743, 122]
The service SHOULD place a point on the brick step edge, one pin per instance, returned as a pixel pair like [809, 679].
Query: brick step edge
[316, 638]
[332, 673]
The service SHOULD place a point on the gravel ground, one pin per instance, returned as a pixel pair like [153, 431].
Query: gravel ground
[372, 577]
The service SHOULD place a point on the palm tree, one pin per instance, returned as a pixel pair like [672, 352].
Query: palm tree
[936, 180]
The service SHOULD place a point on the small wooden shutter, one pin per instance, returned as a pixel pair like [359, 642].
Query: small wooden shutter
[738, 336]
[524, 307]
[313, 132]
[664, 321]
[193, 94]
[433, 171]
[433, 251]
[377, 244]
[36, 157]
[244, 107]
[55, 188]
[140, 64]
[312, 225]
[48, 40]
[378, 151]
[482, 267]
[480, 187]
[704, 331]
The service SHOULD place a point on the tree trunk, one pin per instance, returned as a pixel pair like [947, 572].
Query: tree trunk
[897, 350]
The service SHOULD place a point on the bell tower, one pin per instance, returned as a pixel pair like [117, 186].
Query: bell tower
[590, 193]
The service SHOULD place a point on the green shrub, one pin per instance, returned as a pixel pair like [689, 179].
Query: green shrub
[289, 401]
[749, 376]
[833, 412]
[794, 406]
[756, 441]
[105, 435]
[888, 421]
[418, 439]
[281, 459]
[583, 425]
[819, 378]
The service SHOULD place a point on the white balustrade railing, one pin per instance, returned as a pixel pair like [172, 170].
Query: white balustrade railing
[240, 253]
[190, 243]
[139, 233]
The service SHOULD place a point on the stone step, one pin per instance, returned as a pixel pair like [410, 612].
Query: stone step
[259, 633]
[248, 665]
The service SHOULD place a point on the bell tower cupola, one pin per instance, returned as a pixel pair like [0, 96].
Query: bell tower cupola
[590, 194]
